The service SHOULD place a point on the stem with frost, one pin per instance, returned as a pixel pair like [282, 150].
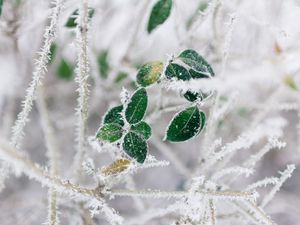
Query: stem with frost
[82, 74]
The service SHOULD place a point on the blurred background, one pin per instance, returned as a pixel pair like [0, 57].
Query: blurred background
[253, 46]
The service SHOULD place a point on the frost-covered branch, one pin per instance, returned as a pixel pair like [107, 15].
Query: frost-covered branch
[53, 155]
[229, 195]
[82, 75]
[287, 173]
[36, 172]
[39, 71]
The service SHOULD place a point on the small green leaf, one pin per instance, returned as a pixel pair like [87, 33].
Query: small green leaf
[185, 125]
[120, 77]
[149, 73]
[137, 106]
[159, 14]
[52, 52]
[197, 63]
[103, 64]
[143, 129]
[65, 70]
[176, 71]
[114, 116]
[110, 132]
[71, 22]
[289, 81]
[135, 146]
[193, 96]
[1, 4]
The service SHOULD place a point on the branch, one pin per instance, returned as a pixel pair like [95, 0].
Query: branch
[231, 195]
[53, 155]
[82, 74]
[38, 74]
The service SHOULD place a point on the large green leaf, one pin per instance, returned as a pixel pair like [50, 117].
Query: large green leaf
[185, 125]
[137, 106]
[110, 132]
[65, 70]
[143, 129]
[149, 73]
[159, 14]
[135, 146]
[114, 116]
[71, 22]
[103, 64]
[197, 63]
[195, 68]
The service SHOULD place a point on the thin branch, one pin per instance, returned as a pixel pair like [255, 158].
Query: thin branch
[232, 195]
[53, 155]
[284, 176]
[82, 75]
[36, 172]
[212, 212]
[38, 74]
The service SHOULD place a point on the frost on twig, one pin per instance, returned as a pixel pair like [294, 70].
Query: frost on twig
[232, 170]
[272, 143]
[287, 173]
[39, 71]
[82, 75]
[53, 155]
[111, 215]
[36, 172]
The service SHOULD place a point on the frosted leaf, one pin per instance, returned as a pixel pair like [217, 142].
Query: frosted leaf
[136, 108]
[185, 125]
[135, 146]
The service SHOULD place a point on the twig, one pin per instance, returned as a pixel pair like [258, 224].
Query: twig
[236, 195]
[82, 72]
[38, 74]
[53, 155]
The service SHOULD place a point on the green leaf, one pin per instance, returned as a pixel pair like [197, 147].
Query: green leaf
[71, 22]
[135, 146]
[143, 129]
[290, 81]
[149, 73]
[110, 132]
[120, 77]
[52, 52]
[159, 14]
[103, 64]
[197, 63]
[114, 116]
[65, 70]
[137, 106]
[176, 71]
[1, 4]
[193, 96]
[185, 125]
